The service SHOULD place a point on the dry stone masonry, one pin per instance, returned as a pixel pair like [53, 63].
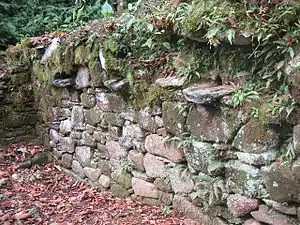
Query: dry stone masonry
[226, 171]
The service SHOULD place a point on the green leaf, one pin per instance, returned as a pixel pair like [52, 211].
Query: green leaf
[214, 166]
[167, 45]
[148, 43]
[150, 27]
[230, 35]
[291, 51]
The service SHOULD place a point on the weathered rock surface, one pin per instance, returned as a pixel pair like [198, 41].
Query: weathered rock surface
[109, 102]
[104, 181]
[272, 218]
[77, 118]
[137, 160]
[91, 173]
[181, 180]
[281, 207]
[84, 155]
[171, 81]
[82, 78]
[154, 165]
[241, 205]
[201, 94]
[257, 159]
[115, 150]
[144, 188]
[155, 145]
[88, 100]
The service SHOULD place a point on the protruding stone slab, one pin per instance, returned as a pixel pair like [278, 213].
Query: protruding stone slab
[144, 188]
[65, 127]
[82, 78]
[240, 205]
[51, 48]
[116, 84]
[205, 94]
[154, 144]
[282, 207]
[257, 159]
[63, 82]
[171, 81]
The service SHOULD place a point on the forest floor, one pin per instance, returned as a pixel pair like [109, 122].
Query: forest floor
[46, 195]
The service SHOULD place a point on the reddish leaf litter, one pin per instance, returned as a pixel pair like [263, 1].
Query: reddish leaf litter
[46, 195]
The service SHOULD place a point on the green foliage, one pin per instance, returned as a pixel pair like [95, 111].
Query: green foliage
[244, 95]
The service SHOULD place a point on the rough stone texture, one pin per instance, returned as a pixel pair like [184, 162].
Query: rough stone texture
[82, 78]
[94, 116]
[296, 139]
[115, 150]
[163, 184]
[154, 144]
[283, 181]
[202, 94]
[118, 190]
[174, 117]
[109, 102]
[112, 119]
[66, 160]
[241, 205]
[251, 222]
[67, 145]
[145, 119]
[183, 205]
[92, 174]
[211, 124]
[133, 131]
[77, 118]
[78, 169]
[51, 48]
[165, 198]
[170, 81]
[244, 179]
[122, 177]
[88, 139]
[271, 218]
[84, 155]
[281, 207]
[54, 136]
[181, 180]
[292, 70]
[141, 175]
[257, 159]
[104, 181]
[144, 188]
[65, 127]
[200, 156]
[87, 100]
[255, 138]
[136, 159]
[154, 166]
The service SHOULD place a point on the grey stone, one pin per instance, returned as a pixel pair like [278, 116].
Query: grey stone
[163, 184]
[100, 136]
[63, 82]
[171, 81]
[240, 205]
[82, 78]
[97, 74]
[174, 117]
[144, 188]
[104, 181]
[66, 160]
[136, 159]
[90, 129]
[115, 150]
[254, 137]
[281, 207]
[88, 139]
[154, 165]
[94, 116]
[145, 200]
[113, 119]
[122, 177]
[77, 118]
[84, 155]
[141, 175]
[75, 135]
[251, 222]
[200, 155]
[132, 131]
[257, 159]
[146, 120]
[118, 190]
[116, 84]
[155, 145]
[291, 70]
[159, 121]
[78, 169]
[65, 127]
[92, 174]
[208, 123]
[87, 100]
[244, 179]
[56, 153]
[165, 198]
[181, 180]
[296, 138]
[51, 48]
[67, 145]
[64, 113]
[201, 94]
[104, 167]
[109, 102]
[271, 218]
[128, 114]
[54, 135]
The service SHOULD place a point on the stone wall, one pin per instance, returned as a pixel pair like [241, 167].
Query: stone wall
[227, 170]
[17, 106]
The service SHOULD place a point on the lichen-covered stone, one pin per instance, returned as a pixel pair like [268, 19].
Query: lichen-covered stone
[67, 145]
[87, 100]
[283, 181]
[211, 124]
[257, 159]
[84, 155]
[94, 116]
[254, 137]
[112, 119]
[200, 155]
[82, 78]
[144, 188]
[174, 117]
[181, 180]
[118, 190]
[104, 181]
[92, 174]
[122, 177]
[136, 159]
[88, 139]
[244, 179]
[145, 119]
[296, 138]
[163, 184]
[77, 118]
[132, 131]
[66, 160]
[155, 145]
[109, 102]
[97, 74]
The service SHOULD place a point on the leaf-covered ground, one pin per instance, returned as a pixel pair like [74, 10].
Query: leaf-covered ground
[46, 195]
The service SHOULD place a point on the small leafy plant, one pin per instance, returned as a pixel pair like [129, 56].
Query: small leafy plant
[244, 95]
